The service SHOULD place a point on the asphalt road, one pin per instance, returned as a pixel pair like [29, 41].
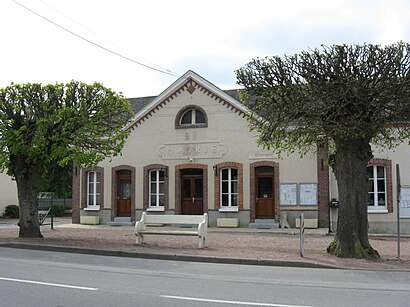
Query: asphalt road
[37, 278]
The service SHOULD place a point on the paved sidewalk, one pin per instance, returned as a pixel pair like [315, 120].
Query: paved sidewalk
[239, 245]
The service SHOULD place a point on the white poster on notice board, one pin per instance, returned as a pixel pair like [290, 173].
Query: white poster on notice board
[288, 193]
[405, 202]
[308, 193]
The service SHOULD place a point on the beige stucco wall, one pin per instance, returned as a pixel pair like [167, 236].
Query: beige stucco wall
[225, 127]
[8, 192]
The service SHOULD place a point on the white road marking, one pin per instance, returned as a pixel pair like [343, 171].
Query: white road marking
[185, 298]
[47, 284]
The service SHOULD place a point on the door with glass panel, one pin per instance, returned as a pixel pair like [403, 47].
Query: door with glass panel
[265, 206]
[192, 192]
[124, 193]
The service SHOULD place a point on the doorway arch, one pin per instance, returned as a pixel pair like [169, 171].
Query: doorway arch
[264, 190]
[192, 172]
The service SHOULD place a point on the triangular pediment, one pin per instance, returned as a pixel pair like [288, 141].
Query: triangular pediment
[189, 82]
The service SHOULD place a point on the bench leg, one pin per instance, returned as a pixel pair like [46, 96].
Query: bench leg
[140, 239]
[202, 242]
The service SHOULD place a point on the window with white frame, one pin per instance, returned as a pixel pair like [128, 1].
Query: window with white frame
[193, 117]
[156, 188]
[229, 187]
[93, 189]
[377, 187]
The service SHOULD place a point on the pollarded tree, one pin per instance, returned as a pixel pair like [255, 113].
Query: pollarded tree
[41, 125]
[345, 96]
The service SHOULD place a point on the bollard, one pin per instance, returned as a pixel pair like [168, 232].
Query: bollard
[302, 235]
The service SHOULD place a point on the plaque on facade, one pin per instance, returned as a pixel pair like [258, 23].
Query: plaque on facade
[288, 194]
[308, 193]
[262, 155]
[192, 149]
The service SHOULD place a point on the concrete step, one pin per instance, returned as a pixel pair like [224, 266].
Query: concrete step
[264, 224]
[121, 221]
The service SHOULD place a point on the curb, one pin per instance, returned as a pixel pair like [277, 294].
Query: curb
[221, 260]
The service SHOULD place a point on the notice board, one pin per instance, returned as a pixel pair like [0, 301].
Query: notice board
[405, 202]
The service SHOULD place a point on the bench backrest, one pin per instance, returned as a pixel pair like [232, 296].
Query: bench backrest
[174, 219]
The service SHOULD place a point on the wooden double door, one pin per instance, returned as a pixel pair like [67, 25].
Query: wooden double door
[265, 204]
[124, 193]
[192, 192]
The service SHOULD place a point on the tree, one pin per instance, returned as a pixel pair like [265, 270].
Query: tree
[344, 97]
[42, 125]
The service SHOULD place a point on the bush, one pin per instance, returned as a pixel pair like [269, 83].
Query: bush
[59, 210]
[11, 211]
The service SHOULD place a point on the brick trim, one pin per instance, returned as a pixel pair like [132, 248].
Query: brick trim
[323, 196]
[217, 182]
[190, 86]
[76, 185]
[114, 190]
[252, 187]
[147, 169]
[389, 183]
[178, 174]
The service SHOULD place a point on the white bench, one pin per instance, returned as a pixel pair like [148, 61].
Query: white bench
[309, 223]
[159, 220]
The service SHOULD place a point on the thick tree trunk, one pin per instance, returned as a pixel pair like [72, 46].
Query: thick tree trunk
[27, 184]
[350, 167]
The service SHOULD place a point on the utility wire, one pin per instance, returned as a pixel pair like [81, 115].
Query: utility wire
[97, 34]
[95, 44]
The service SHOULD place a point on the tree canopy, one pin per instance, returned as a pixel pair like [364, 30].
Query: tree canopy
[45, 124]
[345, 97]
[330, 92]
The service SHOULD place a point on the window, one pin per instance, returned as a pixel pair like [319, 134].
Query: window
[229, 187]
[191, 117]
[93, 189]
[377, 186]
[156, 188]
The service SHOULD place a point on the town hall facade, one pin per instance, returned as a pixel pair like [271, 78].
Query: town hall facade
[190, 151]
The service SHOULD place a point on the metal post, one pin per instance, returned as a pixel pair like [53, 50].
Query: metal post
[398, 210]
[52, 214]
[302, 235]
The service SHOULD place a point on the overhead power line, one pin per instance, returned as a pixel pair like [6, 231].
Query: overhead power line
[150, 63]
[95, 44]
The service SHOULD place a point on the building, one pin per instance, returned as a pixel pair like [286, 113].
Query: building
[8, 192]
[190, 151]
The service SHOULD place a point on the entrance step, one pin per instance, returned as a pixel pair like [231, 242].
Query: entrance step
[121, 221]
[264, 224]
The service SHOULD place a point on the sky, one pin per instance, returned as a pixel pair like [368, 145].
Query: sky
[52, 41]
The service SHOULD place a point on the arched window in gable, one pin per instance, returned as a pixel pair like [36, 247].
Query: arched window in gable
[191, 117]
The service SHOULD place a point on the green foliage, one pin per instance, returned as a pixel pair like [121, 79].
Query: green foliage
[11, 211]
[61, 123]
[42, 126]
[59, 210]
[333, 93]
[57, 179]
